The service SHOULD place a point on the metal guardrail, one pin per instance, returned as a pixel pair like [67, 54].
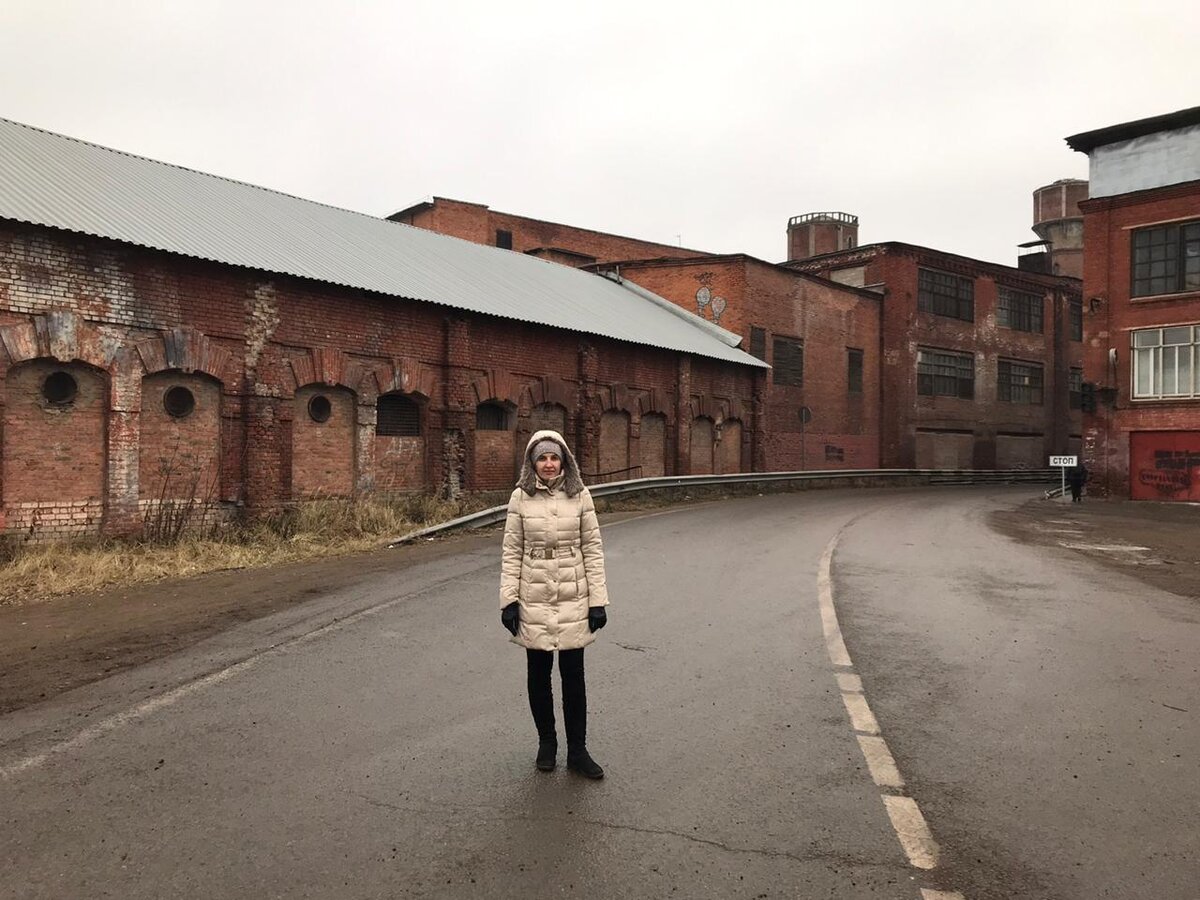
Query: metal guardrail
[496, 514]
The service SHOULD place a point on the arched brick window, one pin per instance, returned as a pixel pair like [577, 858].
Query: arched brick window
[179, 454]
[702, 446]
[399, 445]
[52, 424]
[323, 442]
[653, 445]
[548, 415]
[731, 446]
[397, 415]
[614, 441]
[491, 416]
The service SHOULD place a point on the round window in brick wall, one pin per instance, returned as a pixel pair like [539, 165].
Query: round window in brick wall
[319, 408]
[60, 389]
[179, 402]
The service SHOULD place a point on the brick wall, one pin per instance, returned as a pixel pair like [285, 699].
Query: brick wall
[254, 351]
[323, 451]
[828, 319]
[479, 224]
[54, 452]
[1108, 320]
[919, 430]
[179, 455]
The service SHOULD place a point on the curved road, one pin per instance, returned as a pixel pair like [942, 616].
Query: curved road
[1038, 716]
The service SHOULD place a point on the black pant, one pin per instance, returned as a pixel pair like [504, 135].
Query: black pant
[1076, 490]
[541, 695]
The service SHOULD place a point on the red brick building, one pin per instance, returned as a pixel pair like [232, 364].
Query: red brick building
[820, 402]
[819, 406]
[565, 244]
[168, 336]
[981, 364]
[1141, 285]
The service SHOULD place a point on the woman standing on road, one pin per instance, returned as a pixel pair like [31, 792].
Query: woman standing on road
[552, 590]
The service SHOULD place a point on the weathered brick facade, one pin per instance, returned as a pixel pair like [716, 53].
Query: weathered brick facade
[564, 244]
[239, 389]
[1141, 284]
[764, 302]
[982, 430]
[1167, 469]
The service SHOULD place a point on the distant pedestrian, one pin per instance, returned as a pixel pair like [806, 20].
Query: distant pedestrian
[1076, 476]
[553, 591]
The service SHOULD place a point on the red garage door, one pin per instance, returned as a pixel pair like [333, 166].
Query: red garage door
[1164, 465]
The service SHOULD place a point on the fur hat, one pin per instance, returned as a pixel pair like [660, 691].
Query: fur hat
[572, 480]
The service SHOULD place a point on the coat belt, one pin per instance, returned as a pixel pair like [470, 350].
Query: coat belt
[550, 550]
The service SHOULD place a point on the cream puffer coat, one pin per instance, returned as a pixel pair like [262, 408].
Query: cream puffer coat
[553, 562]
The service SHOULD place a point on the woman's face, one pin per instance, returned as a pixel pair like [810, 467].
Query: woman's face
[548, 465]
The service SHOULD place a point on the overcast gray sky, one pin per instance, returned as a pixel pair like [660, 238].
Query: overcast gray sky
[705, 124]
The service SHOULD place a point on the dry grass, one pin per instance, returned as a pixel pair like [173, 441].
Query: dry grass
[32, 572]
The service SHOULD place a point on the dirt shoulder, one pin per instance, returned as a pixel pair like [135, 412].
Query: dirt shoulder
[1157, 543]
[51, 647]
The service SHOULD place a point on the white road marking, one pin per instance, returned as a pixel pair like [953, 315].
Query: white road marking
[914, 834]
[1104, 548]
[861, 717]
[838, 654]
[880, 762]
[848, 681]
[907, 821]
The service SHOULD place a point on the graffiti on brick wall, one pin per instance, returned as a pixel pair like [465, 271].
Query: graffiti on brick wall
[1163, 465]
[715, 306]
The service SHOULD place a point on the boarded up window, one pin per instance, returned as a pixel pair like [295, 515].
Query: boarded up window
[854, 371]
[503, 239]
[731, 446]
[548, 416]
[614, 442]
[653, 445]
[702, 446]
[758, 343]
[397, 416]
[788, 361]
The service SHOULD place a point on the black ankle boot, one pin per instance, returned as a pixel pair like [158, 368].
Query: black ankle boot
[547, 757]
[581, 761]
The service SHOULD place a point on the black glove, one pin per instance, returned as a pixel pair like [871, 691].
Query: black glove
[597, 618]
[510, 616]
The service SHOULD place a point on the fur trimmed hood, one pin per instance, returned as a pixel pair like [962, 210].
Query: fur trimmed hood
[572, 479]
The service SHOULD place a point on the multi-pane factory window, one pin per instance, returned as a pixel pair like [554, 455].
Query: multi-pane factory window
[1076, 320]
[397, 416]
[943, 373]
[944, 294]
[1166, 259]
[1019, 311]
[1019, 382]
[787, 361]
[503, 239]
[1075, 389]
[854, 370]
[1166, 362]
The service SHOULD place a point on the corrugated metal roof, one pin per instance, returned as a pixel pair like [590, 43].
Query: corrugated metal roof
[57, 181]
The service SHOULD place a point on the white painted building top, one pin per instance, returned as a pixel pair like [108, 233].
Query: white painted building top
[1138, 156]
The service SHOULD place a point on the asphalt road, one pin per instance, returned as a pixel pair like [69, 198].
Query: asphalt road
[1043, 717]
